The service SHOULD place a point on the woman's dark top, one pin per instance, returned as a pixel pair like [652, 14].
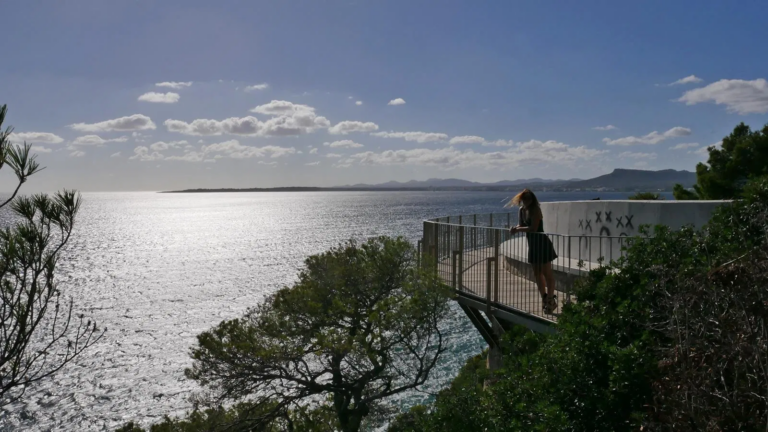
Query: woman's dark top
[540, 249]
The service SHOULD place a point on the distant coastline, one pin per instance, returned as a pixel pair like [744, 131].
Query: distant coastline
[620, 180]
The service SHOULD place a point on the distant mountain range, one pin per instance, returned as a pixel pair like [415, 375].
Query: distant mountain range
[452, 183]
[618, 180]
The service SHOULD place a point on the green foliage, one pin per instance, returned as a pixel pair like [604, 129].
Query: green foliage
[645, 196]
[743, 156]
[682, 194]
[38, 333]
[361, 324]
[244, 417]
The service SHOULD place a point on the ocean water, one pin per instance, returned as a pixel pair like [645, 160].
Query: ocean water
[158, 269]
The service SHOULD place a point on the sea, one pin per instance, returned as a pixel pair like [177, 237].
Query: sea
[157, 269]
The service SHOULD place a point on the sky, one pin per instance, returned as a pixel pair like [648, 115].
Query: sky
[146, 95]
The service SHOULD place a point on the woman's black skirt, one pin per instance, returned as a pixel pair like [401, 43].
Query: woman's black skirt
[540, 249]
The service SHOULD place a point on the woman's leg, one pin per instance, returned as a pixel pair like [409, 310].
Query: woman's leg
[538, 277]
[549, 276]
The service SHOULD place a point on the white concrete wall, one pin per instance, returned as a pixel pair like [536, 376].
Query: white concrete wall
[622, 218]
[617, 219]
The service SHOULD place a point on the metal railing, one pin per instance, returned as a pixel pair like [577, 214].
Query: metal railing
[479, 258]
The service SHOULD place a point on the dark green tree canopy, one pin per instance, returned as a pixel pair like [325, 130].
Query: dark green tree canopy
[743, 156]
[360, 325]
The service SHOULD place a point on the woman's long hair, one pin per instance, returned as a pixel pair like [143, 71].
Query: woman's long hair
[525, 195]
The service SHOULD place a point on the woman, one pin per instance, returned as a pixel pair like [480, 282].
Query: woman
[541, 253]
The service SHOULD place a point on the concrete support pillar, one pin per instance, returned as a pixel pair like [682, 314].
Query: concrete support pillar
[495, 359]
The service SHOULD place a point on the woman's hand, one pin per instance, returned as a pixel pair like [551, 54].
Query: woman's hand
[513, 230]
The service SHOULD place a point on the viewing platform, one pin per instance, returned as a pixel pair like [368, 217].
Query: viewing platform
[488, 267]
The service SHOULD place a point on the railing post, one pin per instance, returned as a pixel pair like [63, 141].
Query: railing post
[488, 280]
[491, 220]
[461, 258]
[509, 220]
[454, 256]
[418, 253]
[496, 235]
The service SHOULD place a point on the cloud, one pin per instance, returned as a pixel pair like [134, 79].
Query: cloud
[313, 151]
[651, 138]
[133, 122]
[77, 153]
[95, 140]
[499, 143]
[398, 101]
[704, 151]
[162, 145]
[159, 97]
[690, 79]
[420, 137]
[174, 85]
[114, 155]
[347, 126]
[187, 157]
[631, 155]
[333, 155]
[358, 103]
[142, 153]
[257, 87]
[280, 107]
[343, 144]
[235, 150]
[467, 139]
[312, 163]
[523, 153]
[684, 146]
[739, 96]
[39, 149]
[605, 128]
[35, 137]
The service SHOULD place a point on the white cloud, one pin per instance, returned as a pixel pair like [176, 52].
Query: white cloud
[162, 145]
[343, 144]
[39, 149]
[644, 156]
[95, 140]
[235, 150]
[35, 137]
[398, 101]
[159, 97]
[605, 128]
[420, 137]
[236, 126]
[133, 122]
[499, 143]
[523, 153]
[187, 157]
[313, 151]
[690, 79]
[267, 163]
[467, 139]
[739, 96]
[174, 85]
[704, 151]
[77, 153]
[140, 137]
[280, 107]
[358, 103]
[142, 153]
[114, 155]
[257, 87]
[684, 146]
[347, 126]
[312, 163]
[333, 155]
[651, 138]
